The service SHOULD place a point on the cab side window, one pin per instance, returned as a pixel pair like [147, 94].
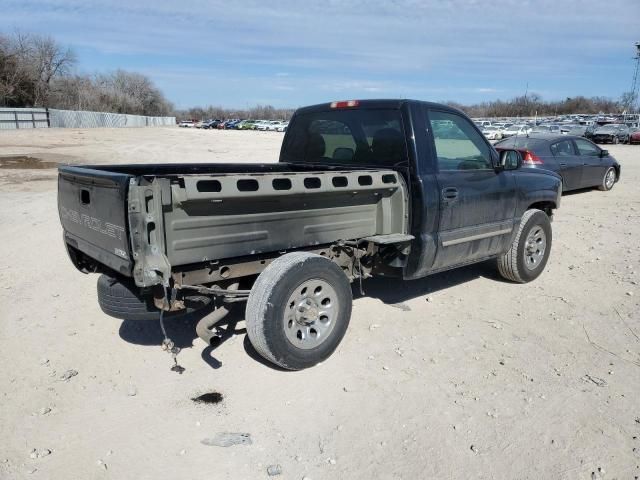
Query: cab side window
[459, 146]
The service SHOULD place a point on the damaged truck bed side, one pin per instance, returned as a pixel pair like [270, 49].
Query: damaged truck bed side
[394, 188]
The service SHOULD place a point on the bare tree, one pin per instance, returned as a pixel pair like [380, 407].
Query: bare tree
[49, 60]
[28, 66]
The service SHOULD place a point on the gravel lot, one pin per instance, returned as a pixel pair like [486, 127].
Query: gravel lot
[459, 375]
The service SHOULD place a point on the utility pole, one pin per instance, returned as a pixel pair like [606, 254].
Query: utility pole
[633, 94]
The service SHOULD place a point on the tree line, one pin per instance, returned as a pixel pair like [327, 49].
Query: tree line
[533, 104]
[36, 71]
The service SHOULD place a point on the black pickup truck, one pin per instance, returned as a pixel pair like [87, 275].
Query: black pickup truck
[396, 188]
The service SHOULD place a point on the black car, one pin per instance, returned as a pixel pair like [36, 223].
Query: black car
[612, 133]
[588, 133]
[579, 162]
[211, 124]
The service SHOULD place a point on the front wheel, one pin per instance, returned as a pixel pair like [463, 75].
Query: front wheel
[298, 310]
[526, 258]
[608, 180]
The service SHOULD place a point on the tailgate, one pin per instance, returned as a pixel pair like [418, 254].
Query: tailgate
[92, 205]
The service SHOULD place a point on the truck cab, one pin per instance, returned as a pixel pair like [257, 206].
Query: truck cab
[466, 202]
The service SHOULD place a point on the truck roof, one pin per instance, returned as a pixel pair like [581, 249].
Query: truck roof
[374, 103]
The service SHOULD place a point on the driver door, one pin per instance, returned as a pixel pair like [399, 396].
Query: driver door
[477, 202]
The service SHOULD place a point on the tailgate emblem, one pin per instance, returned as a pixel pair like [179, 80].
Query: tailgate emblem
[96, 224]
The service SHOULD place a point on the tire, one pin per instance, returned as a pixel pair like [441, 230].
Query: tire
[615, 141]
[286, 307]
[517, 264]
[121, 298]
[608, 179]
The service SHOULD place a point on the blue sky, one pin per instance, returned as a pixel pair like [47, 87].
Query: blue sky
[289, 53]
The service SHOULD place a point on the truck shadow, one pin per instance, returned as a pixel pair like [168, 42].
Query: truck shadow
[182, 330]
[394, 290]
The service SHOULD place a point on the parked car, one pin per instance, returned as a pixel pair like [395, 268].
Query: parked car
[228, 124]
[274, 125]
[232, 125]
[612, 133]
[211, 124]
[634, 135]
[492, 133]
[246, 125]
[578, 130]
[162, 239]
[588, 133]
[579, 161]
[263, 126]
[516, 130]
[186, 124]
[282, 127]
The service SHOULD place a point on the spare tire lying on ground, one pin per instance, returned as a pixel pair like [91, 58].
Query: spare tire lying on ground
[121, 298]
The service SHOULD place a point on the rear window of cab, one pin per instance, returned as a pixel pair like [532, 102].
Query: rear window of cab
[368, 137]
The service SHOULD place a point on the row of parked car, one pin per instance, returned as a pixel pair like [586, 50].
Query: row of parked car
[237, 124]
[608, 133]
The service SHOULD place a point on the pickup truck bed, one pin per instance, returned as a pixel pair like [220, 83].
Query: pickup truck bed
[216, 215]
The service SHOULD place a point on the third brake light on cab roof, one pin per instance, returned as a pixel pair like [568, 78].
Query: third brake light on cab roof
[345, 104]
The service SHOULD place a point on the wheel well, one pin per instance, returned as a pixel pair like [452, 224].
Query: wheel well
[546, 207]
[617, 167]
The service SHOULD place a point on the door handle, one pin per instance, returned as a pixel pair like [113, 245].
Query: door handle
[450, 193]
[563, 164]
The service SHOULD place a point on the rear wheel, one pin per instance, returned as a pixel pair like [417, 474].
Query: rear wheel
[529, 252]
[298, 310]
[608, 180]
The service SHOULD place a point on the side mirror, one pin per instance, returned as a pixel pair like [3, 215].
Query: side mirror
[604, 153]
[510, 160]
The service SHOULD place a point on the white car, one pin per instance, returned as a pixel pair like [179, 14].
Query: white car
[274, 125]
[492, 133]
[262, 125]
[282, 127]
[516, 130]
[186, 124]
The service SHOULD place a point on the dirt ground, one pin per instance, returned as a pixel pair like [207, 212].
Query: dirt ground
[459, 375]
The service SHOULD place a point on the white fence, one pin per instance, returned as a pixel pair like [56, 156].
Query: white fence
[19, 118]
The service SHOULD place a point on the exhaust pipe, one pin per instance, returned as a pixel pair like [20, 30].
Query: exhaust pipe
[206, 324]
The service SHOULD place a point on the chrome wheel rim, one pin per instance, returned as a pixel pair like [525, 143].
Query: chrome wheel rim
[310, 314]
[610, 179]
[535, 246]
